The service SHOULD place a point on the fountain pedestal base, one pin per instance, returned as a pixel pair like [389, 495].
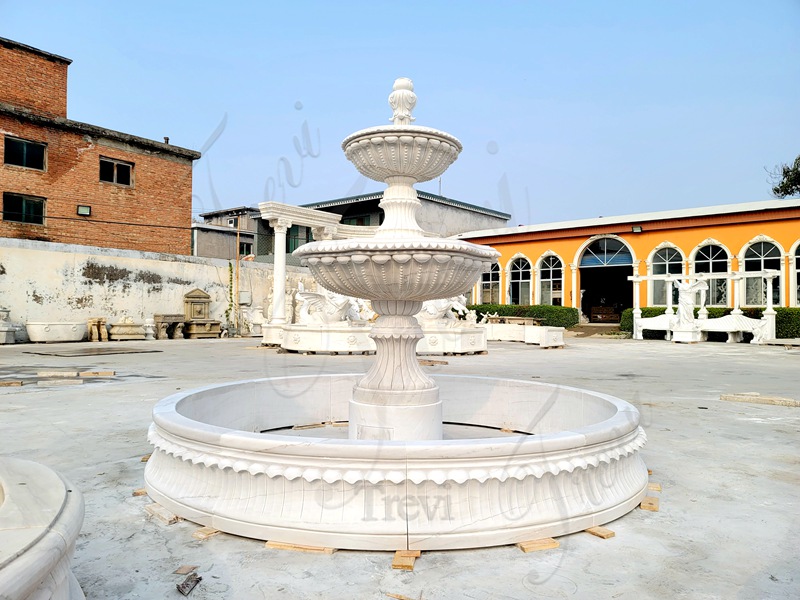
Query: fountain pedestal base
[381, 422]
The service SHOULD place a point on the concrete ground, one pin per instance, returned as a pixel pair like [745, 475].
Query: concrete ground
[728, 525]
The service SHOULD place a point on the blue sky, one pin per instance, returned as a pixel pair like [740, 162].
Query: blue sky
[566, 110]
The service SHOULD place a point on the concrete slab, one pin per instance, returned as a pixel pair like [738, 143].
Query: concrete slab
[727, 524]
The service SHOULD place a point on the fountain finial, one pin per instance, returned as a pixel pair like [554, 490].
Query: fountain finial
[402, 100]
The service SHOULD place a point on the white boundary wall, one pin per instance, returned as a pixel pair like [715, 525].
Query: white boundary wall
[43, 281]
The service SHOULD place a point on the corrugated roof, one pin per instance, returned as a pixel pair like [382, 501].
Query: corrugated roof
[420, 194]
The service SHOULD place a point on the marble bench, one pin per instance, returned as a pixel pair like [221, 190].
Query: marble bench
[663, 322]
[735, 326]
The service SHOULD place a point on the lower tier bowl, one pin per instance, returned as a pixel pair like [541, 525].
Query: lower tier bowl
[568, 459]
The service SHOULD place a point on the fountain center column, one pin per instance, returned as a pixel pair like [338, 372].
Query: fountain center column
[400, 204]
[396, 400]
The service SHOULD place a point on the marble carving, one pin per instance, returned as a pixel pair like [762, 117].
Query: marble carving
[428, 462]
[41, 515]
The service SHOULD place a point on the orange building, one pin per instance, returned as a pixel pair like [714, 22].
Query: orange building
[586, 264]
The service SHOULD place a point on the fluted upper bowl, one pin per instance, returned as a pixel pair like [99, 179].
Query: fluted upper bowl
[408, 150]
[416, 269]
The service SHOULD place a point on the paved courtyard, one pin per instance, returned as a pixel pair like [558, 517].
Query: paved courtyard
[728, 525]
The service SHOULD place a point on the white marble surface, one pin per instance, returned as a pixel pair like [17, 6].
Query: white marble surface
[543, 336]
[580, 467]
[56, 332]
[40, 517]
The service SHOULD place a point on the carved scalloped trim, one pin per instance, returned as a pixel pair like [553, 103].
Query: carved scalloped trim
[535, 468]
[390, 247]
[395, 130]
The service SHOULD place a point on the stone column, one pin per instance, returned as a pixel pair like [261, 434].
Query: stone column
[281, 226]
[637, 311]
[396, 400]
[576, 295]
[273, 331]
[325, 232]
[769, 312]
[669, 310]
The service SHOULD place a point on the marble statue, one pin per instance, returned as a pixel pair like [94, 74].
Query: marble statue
[686, 295]
[443, 309]
[327, 307]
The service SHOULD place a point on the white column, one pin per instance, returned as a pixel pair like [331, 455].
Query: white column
[323, 232]
[669, 310]
[668, 290]
[769, 312]
[739, 286]
[637, 311]
[281, 226]
[575, 291]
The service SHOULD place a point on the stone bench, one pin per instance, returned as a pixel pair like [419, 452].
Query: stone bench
[735, 326]
[663, 322]
[545, 337]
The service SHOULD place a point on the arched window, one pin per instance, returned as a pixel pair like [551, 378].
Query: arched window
[713, 259]
[519, 285]
[759, 257]
[490, 286]
[666, 262]
[797, 275]
[550, 270]
[606, 252]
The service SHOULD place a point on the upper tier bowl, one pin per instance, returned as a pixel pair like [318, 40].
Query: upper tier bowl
[401, 150]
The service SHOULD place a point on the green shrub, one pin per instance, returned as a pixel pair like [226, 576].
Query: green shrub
[553, 316]
[787, 320]
[787, 323]
[626, 318]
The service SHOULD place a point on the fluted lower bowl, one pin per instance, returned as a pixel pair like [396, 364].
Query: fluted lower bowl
[412, 151]
[415, 269]
[226, 456]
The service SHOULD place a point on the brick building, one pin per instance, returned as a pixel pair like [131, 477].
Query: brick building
[71, 182]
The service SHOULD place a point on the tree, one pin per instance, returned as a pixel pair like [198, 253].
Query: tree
[786, 179]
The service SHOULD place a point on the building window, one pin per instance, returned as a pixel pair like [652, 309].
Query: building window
[116, 171]
[490, 285]
[797, 275]
[550, 270]
[23, 209]
[712, 260]
[23, 153]
[759, 257]
[606, 252]
[666, 262]
[296, 237]
[245, 248]
[359, 221]
[233, 222]
[520, 282]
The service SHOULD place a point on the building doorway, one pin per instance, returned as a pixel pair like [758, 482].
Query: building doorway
[605, 290]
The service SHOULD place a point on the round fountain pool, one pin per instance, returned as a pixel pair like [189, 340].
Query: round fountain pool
[524, 460]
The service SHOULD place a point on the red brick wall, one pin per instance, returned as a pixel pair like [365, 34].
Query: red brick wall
[122, 217]
[33, 81]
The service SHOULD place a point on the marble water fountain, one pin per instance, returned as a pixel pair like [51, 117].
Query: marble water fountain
[423, 462]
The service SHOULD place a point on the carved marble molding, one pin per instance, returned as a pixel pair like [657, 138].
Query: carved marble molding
[583, 465]
[416, 269]
[41, 515]
[280, 225]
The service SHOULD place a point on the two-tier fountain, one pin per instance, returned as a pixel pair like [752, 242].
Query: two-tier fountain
[445, 462]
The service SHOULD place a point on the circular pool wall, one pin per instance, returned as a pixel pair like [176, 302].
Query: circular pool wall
[570, 461]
